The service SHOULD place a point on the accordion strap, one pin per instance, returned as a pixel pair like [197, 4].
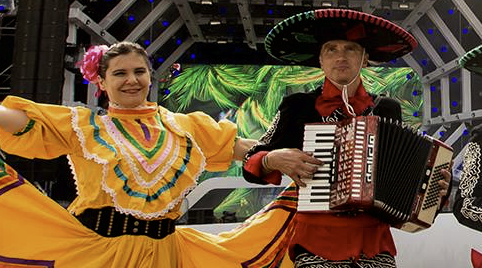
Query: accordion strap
[376, 101]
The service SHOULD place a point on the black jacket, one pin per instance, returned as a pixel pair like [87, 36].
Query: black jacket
[468, 200]
[287, 128]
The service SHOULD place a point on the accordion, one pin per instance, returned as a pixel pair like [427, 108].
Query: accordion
[377, 166]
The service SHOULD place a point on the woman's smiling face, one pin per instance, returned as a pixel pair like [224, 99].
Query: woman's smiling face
[127, 80]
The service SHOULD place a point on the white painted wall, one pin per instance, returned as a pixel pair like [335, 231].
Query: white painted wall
[446, 244]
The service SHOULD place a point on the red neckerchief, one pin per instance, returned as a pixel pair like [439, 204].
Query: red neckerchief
[330, 100]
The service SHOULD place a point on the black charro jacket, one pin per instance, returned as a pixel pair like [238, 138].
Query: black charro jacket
[296, 110]
[468, 199]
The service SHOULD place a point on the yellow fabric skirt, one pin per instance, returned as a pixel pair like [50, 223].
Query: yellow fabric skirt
[37, 232]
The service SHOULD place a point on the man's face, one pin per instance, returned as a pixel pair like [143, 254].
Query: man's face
[340, 60]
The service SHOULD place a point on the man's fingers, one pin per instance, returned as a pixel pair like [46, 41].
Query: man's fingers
[444, 185]
[307, 171]
[446, 174]
[298, 181]
[312, 160]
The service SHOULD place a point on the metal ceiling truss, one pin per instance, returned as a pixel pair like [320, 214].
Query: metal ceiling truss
[190, 20]
[440, 76]
[80, 19]
[147, 22]
[370, 6]
[444, 71]
[119, 10]
[243, 7]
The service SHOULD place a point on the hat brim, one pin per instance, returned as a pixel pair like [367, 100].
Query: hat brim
[472, 60]
[298, 39]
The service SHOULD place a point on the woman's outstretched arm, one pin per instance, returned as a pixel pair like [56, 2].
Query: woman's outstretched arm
[12, 120]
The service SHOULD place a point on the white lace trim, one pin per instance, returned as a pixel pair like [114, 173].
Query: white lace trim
[152, 215]
[172, 121]
[81, 138]
[140, 107]
[86, 153]
[118, 139]
[469, 179]
[72, 170]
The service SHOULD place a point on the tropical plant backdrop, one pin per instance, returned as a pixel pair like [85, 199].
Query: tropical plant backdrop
[249, 95]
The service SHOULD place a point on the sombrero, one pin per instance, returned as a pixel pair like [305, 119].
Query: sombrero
[298, 39]
[472, 60]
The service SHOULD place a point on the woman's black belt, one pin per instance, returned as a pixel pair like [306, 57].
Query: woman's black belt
[110, 223]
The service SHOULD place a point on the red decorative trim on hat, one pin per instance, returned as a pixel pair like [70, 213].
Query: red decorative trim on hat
[391, 48]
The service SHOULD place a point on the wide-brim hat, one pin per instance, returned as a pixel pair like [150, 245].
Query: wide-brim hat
[298, 39]
[472, 60]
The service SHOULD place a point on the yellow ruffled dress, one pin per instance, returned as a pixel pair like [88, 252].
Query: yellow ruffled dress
[141, 161]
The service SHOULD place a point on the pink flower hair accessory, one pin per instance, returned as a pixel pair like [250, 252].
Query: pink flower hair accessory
[89, 65]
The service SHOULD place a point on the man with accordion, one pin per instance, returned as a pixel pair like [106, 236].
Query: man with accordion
[340, 41]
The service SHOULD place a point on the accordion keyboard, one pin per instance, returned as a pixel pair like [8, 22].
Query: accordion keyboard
[318, 139]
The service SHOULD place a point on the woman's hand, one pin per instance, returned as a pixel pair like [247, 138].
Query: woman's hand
[294, 163]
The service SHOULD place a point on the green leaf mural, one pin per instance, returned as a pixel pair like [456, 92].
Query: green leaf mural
[249, 95]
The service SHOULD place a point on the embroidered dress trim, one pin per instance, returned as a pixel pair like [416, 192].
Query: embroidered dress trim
[309, 260]
[174, 124]
[23, 263]
[265, 139]
[26, 129]
[87, 155]
[167, 186]
[112, 168]
[265, 259]
[116, 106]
[470, 178]
[122, 142]
[9, 178]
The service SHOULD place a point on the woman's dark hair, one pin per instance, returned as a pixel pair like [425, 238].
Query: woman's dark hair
[121, 48]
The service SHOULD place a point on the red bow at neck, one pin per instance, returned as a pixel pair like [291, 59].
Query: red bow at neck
[330, 100]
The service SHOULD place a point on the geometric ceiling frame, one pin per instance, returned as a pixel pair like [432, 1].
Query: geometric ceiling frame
[100, 33]
[434, 125]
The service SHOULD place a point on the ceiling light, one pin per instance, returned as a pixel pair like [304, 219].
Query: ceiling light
[206, 2]
[326, 4]
[215, 22]
[288, 3]
[403, 6]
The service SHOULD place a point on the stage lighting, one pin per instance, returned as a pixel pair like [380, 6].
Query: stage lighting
[326, 4]
[288, 3]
